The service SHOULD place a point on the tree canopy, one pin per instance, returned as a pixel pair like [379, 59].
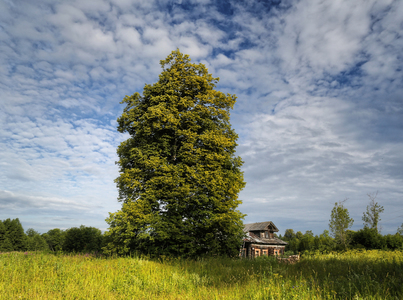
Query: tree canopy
[5, 243]
[179, 177]
[82, 239]
[55, 239]
[371, 217]
[35, 241]
[16, 234]
[339, 222]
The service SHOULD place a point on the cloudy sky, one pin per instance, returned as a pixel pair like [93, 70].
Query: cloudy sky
[319, 111]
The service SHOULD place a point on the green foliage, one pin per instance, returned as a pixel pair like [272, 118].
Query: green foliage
[267, 258]
[35, 241]
[394, 241]
[5, 244]
[55, 239]
[293, 245]
[31, 232]
[300, 243]
[82, 239]
[16, 234]
[307, 241]
[371, 217]
[339, 222]
[369, 238]
[179, 176]
[293, 239]
[289, 235]
[365, 238]
[324, 242]
[299, 235]
[400, 230]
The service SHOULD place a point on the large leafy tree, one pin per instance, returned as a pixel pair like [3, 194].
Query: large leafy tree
[371, 217]
[339, 222]
[179, 176]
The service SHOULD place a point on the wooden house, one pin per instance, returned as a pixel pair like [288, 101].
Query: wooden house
[260, 240]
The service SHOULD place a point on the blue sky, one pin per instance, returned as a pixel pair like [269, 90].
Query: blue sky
[319, 111]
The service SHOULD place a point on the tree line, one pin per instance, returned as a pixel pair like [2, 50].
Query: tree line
[90, 239]
[365, 238]
[340, 237]
[75, 239]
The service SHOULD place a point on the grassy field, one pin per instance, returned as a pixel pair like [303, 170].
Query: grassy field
[350, 275]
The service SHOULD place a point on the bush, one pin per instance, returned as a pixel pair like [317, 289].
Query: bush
[394, 242]
[369, 238]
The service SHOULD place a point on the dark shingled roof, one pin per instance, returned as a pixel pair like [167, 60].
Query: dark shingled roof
[260, 226]
[251, 238]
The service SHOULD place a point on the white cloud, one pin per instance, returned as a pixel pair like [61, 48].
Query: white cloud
[324, 36]
[319, 106]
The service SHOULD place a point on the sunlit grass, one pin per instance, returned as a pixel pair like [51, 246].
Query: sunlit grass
[351, 275]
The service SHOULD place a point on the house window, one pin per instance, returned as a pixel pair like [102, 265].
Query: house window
[265, 252]
[267, 234]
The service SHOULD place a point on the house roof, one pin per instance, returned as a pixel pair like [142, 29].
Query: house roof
[260, 226]
[252, 238]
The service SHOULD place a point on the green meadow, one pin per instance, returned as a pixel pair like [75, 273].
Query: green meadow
[350, 275]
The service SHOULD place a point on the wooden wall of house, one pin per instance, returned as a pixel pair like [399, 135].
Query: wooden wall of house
[255, 250]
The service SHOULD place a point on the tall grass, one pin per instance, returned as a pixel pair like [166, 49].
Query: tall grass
[351, 275]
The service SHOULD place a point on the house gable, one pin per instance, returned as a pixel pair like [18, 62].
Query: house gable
[264, 230]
